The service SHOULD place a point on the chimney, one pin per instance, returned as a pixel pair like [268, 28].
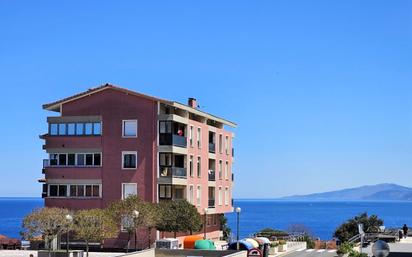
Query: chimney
[192, 102]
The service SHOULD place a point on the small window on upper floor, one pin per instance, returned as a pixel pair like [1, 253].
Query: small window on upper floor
[62, 129]
[129, 128]
[88, 128]
[129, 160]
[97, 128]
[53, 129]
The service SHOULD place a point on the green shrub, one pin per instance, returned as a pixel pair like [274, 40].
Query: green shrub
[274, 244]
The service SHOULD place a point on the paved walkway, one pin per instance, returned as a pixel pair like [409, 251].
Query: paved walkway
[312, 253]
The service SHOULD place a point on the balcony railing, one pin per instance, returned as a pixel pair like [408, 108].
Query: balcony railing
[212, 147]
[211, 203]
[212, 175]
[175, 172]
[172, 139]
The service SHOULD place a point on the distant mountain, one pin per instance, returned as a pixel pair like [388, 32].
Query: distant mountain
[380, 192]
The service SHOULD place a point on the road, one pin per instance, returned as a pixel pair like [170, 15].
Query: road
[312, 253]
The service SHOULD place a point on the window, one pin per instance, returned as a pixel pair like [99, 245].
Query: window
[191, 136]
[129, 128]
[199, 137]
[53, 129]
[71, 159]
[89, 159]
[191, 194]
[54, 159]
[62, 129]
[199, 167]
[219, 196]
[165, 191]
[71, 127]
[227, 144]
[198, 194]
[226, 196]
[80, 159]
[62, 159]
[214, 218]
[128, 189]
[75, 159]
[97, 128]
[165, 127]
[97, 159]
[220, 169]
[129, 160]
[191, 165]
[84, 190]
[220, 143]
[75, 129]
[53, 190]
[58, 190]
[226, 170]
[79, 129]
[165, 159]
[88, 128]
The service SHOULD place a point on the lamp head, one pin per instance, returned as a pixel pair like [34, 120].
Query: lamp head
[136, 213]
[238, 209]
[69, 217]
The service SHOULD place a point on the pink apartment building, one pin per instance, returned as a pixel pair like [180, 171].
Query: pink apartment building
[109, 142]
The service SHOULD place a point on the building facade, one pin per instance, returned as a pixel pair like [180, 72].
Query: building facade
[110, 142]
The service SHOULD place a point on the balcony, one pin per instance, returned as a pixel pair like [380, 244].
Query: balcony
[174, 172]
[211, 203]
[212, 148]
[212, 175]
[172, 139]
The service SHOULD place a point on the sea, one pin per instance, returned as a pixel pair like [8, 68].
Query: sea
[321, 218]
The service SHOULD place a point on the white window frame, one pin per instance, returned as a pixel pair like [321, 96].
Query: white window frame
[191, 136]
[123, 185]
[199, 137]
[123, 127]
[220, 169]
[227, 170]
[191, 166]
[220, 143]
[199, 166]
[191, 194]
[128, 152]
[198, 195]
[227, 145]
[226, 195]
[219, 198]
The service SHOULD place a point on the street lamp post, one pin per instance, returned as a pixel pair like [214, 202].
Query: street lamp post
[238, 210]
[69, 218]
[204, 224]
[135, 216]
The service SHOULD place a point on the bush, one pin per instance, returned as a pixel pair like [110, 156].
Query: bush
[349, 229]
[358, 254]
[345, 248]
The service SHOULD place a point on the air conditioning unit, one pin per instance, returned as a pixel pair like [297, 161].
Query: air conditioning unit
[167, 243]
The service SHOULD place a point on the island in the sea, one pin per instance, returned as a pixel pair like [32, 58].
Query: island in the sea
[379, 192]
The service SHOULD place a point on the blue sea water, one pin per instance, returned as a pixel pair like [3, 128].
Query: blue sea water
[320, 217]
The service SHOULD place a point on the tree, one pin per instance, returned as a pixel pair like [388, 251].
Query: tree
[349, 229]
[133, 213]
[224, 227]
[93, 225]
[46, 222]
[179, 216]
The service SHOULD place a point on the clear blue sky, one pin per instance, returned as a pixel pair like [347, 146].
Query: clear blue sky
[321, 90]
